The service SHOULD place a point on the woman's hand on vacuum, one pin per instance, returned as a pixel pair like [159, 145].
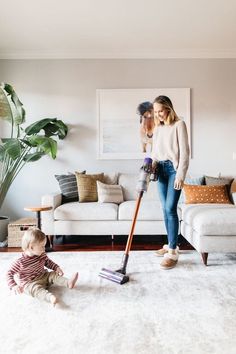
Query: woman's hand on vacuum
[154, 165]
[178, 183]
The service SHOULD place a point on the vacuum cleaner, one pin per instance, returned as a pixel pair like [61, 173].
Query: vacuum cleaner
[147, 173]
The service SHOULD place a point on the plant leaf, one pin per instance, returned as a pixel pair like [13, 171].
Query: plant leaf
[35, 156]
[44, 144]
[13, 148]
[13, 107]
[2, 152]
[5, 109]
[51, 127]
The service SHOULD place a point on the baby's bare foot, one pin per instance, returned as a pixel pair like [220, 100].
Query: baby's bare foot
[73, 280]
[53, 300]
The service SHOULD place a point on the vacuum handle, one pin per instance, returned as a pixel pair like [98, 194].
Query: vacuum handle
[130, 238]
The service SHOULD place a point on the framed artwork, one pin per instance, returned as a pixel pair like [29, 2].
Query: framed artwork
[118, 123]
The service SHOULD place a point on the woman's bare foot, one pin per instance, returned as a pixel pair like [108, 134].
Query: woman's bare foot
[73, 280]
[53, 300]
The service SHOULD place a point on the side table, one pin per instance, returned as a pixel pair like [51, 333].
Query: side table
[38, 211]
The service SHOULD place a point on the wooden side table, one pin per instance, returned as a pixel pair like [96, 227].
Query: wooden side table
[38, 211]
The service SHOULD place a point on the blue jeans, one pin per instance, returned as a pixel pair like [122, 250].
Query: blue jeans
[169, 199]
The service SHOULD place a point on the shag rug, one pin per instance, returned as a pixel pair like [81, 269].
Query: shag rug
[189, 309]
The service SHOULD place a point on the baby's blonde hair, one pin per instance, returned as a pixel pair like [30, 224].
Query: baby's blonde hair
[32, 235]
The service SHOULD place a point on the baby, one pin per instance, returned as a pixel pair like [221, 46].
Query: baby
[32, 276]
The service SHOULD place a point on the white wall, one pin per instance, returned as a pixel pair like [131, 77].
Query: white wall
[67, 89]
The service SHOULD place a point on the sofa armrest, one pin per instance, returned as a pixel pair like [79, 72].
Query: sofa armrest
[47, 218]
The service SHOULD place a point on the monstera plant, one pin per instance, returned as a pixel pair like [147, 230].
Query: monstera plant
[24, 144]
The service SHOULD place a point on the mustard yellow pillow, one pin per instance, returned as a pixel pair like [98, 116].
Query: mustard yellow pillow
[87, 186]
[206, 194]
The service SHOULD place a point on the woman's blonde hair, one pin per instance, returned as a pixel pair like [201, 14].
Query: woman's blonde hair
[32, 235]
[167, 104]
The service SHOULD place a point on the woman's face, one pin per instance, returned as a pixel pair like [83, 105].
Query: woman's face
[160, 112]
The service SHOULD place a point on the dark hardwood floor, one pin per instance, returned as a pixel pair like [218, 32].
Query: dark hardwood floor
[105, 243]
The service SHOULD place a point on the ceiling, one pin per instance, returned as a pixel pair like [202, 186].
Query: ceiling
[117, 29]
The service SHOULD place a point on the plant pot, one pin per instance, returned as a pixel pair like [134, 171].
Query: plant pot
[4, 221]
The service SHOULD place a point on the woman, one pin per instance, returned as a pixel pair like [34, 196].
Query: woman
[171, 153]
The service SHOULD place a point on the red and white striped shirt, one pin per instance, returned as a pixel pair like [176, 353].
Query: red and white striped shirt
[27, 268]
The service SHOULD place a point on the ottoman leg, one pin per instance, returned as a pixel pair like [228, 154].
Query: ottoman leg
[204, 258]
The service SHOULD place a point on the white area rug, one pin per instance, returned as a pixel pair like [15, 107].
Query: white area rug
[189, 309]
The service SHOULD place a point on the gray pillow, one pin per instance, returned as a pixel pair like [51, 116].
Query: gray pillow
[68, 187]
[218, 181]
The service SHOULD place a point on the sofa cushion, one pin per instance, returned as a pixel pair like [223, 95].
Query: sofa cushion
[210, 219]
[129, 181]
[86, 211]
[206, 194]
[87, 186]
[149, 210]
[109, 193]
[68, 187]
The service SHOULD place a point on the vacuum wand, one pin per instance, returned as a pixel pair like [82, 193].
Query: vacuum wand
[119, 276]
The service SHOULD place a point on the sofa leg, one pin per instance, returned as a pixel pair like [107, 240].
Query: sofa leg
[204, 258]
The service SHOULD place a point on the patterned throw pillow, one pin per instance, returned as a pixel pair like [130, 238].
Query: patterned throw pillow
[68, 187]
[87, 186]
[196, 181]
[109, 193]
[206, 194]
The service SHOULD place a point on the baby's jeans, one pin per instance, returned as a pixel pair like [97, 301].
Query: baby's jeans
[38, 287]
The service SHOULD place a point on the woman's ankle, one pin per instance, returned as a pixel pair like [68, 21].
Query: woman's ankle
[173, 250]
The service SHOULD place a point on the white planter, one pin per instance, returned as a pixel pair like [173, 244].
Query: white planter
[4, 221]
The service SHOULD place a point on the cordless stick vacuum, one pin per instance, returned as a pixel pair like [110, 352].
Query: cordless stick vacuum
[146, 174]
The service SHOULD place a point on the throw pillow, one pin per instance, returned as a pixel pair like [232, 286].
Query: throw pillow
[206, 194]
[217, 181]
[109, 193]
[68, 187]
[196, 181]
[111, 178]
[87, 186]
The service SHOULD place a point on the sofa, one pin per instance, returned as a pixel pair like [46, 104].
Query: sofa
[100, 218]
[211, 227]
[208, 227]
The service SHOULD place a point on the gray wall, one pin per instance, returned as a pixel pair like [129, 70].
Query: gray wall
[67, 89]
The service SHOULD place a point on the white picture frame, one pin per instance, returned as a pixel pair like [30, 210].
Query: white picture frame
[118, 123]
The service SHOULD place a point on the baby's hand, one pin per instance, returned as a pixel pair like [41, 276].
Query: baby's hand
[59, 271]
[17, 289]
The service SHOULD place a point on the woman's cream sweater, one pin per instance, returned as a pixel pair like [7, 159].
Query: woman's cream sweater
[170, 142]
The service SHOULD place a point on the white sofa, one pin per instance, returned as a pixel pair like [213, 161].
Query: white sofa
[207, 227]
[96, 218]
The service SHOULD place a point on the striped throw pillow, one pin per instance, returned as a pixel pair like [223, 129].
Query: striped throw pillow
[68, 187]
[109, 193]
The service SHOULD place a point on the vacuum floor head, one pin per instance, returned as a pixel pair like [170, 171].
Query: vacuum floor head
[114, 276]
